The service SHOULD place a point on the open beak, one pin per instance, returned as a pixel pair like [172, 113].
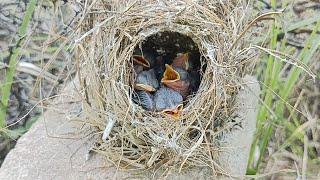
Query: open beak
[144, 87]
[174, 113]
[141, 60]
[170, 75]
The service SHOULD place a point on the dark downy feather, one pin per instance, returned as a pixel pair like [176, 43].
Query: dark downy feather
[144, 99]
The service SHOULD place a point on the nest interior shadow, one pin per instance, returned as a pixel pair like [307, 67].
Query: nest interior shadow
[153, 55]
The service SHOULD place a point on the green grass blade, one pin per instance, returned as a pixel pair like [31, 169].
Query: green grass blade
[13, 60]
[271, 75]
[308, 51]
[267, 133]
[272, 81]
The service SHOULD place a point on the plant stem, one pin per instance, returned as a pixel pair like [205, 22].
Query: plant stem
[13, 60]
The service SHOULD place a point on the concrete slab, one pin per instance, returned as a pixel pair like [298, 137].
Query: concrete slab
[55, 149]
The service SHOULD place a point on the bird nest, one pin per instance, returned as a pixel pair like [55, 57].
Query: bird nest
[132, 137]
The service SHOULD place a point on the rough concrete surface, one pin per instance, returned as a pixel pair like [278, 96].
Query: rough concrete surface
[238, 142]
[54, 149]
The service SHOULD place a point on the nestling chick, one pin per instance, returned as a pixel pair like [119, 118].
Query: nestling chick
[177, 79]
[181, 61]
[144, 99]
[138, 66]
[168, 102]
[147, 81]
[145, 58]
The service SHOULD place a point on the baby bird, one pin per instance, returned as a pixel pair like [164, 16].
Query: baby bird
[169, 102]
[177, 79]
[181, 61]
[138, 66]
[144, 99]
[145, 58]
[147, 81]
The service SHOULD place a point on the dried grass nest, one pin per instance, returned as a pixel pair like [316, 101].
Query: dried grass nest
[128, 135]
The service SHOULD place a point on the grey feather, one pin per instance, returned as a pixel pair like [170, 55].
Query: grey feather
[144, 99]
[166, 98]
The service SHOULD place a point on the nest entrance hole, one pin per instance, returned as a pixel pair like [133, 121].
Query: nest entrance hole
[168, 45]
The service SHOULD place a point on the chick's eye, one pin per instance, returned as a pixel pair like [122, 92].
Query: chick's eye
[169, 112]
